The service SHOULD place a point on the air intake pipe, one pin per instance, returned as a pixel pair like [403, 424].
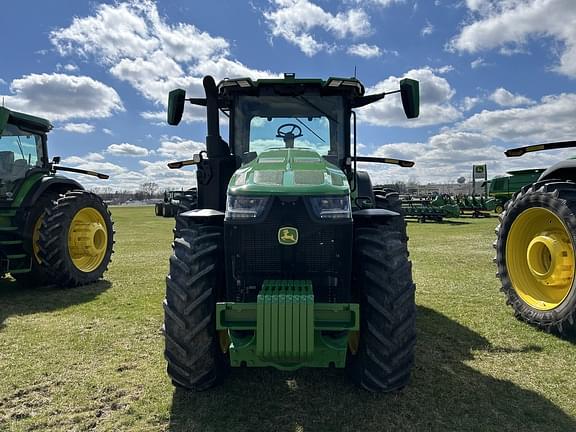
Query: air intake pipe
[215, 146]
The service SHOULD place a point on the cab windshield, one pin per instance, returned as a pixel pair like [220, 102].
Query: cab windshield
[19, 151]
[307, 121]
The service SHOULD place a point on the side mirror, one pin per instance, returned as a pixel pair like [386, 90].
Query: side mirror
[176, 99]
[56, 160]
[410, 92]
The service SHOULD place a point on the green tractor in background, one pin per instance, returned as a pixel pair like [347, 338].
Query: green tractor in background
[502, 188]
[536, 245]
[289, 261]
[51, 229]
[176, 202]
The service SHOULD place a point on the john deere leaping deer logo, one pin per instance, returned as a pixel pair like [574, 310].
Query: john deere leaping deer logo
[287, 236]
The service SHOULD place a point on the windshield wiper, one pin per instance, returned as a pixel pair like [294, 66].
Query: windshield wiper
[20, 147]
[310, 129]
[318, 109]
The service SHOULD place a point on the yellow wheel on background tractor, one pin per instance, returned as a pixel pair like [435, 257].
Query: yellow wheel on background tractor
[498, 209]
[76, 238]
[535, 254]
[87, 239]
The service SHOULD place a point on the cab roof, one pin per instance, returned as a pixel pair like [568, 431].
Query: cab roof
[25, 121]
[333, 85]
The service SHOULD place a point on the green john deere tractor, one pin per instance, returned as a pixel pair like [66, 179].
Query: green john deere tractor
[176, 202]
[536, 245]
[51, 229]
[287, 261]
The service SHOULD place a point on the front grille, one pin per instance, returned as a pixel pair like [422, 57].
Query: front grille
[322, 253]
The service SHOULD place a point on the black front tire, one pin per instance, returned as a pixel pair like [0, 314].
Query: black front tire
[53, 243]
[383, 277]
[38, 275]
[195, 282]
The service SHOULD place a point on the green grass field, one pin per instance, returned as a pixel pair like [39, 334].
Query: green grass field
[91, 358]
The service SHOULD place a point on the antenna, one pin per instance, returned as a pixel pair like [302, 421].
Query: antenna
[354, 71]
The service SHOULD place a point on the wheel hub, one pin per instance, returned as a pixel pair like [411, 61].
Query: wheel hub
[548, 259]
[540, 258]
[87, 239]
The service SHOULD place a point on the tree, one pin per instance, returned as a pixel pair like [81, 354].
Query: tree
[149, 189]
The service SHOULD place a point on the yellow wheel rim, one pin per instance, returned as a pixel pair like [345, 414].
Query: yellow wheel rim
[36, 238]
[540, 258]
[87, 239]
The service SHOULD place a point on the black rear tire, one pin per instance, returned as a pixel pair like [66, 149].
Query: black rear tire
[53, 243]
[385, 291]
[558, 197]
[188, 202]
[391, 201]
[195, 282]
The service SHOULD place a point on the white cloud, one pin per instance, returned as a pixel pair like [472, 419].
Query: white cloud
[126, 149]
[435, 102]
[479, 62]
[66, 68]
[296, 20]
[364, 50]
[94, 157]
[150, 54]
[511, 23]
[62, 97]
[3, 82]
[114, 32]
[550, 120]
[505, 98]
[169, 178]
[179, 148]
[82, 128]
[427, 30]
[443, 69]
[384, 3]
[77, 160]
[470, 102]
[107, 131]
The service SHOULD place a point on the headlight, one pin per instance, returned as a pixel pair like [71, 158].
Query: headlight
[335, 207]
[243, 207]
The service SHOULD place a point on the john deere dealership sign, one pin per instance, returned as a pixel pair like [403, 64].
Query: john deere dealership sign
[479, 172]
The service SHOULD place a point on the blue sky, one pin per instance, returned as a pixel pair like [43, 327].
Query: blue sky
[494, 74]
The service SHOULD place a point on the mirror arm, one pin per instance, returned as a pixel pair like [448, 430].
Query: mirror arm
[365, 100]
[196, 159]
[81, 171]
[197, 101]
[400, 162]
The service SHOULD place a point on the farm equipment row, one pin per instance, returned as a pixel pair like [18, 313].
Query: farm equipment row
[437, 208]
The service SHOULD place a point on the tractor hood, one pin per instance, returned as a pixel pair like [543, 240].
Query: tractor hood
[289, 172]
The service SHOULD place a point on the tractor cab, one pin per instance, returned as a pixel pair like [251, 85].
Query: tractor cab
[22, 149]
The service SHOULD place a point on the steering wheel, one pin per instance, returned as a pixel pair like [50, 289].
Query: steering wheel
[280, 133]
